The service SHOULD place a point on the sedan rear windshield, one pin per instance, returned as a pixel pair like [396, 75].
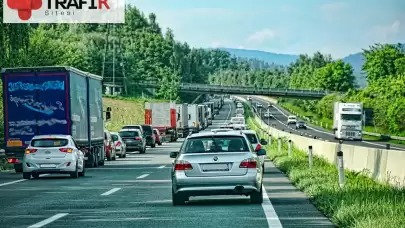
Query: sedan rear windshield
[215, 144]
[147, 129]
[49, 142]
[114, 137]
[126, 134]
[252, 138]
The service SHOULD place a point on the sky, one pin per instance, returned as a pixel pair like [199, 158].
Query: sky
[338, 28]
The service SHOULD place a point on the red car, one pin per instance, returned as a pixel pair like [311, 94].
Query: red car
[109, 146]
[158, 136]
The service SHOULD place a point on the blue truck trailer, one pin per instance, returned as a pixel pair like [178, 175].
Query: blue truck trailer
[52, 100]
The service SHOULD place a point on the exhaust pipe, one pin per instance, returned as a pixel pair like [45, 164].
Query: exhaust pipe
[239, 189]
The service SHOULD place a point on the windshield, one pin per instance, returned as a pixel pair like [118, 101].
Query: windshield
[114, 137]
[215, 144]
[252, 138]
[351, 117]
[49, 142]
[147, 129]
[127, 134]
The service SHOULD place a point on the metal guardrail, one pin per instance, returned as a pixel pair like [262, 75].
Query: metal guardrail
[220, 89]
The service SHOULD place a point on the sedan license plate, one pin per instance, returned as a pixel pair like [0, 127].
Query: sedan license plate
[48, 166]
[216, 167]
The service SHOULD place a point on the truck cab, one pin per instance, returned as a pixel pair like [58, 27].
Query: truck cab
[348, 121]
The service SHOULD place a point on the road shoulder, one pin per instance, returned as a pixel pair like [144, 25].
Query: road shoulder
[293, 207]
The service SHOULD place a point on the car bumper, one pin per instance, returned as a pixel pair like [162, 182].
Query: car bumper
[224, 185]
[119, 150]
[60, 165]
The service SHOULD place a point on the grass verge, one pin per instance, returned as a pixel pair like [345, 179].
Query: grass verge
[362, 203]
[125, 111]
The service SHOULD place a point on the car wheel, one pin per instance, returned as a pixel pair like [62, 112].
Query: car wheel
[26, 175]
[83, 172]
[95, 159]
[109, 157]
[160, 143]
[257, 197]
[35, 175]
[142, 151]
[178, 199]
[153, 145]
[75, 174]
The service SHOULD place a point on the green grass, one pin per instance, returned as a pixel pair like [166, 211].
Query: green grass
[329, 123]
[362, 203]
[126, 110]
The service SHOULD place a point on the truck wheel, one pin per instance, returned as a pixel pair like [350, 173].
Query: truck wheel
[95, 159]
[26, 175]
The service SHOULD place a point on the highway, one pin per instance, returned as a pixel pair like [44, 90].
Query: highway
[136, 192]
[280, 122]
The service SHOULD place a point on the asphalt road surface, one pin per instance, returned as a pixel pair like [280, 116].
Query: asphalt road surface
[136, 192]
[280, 122]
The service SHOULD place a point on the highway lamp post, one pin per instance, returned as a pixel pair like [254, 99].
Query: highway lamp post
[341, 169]
[279, 145]
[289, 148]
[310, 156]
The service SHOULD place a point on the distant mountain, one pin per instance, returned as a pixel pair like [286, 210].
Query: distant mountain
[356, 60]
[279, 59]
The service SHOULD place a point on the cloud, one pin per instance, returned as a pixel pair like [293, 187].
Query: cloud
[216, 44]
[333, 7]
[262, 35]
[386, 33]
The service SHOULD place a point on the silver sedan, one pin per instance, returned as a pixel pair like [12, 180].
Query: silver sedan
[53, 154]
[217, 163]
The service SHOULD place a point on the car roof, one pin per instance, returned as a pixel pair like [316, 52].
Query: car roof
[209, 133]
[132, 125]
[221, 129]
[51, 136]
[249, 132]
[292, 116]
[122, 130]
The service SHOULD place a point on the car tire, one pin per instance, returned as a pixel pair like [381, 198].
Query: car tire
[109, 157]
[115, 156]
[257, 197]
[178, 199]
[75, 174]
[153, 145]
[26, 175]
[160, 143]
[83, 172]
[142, 151]
[35, 175]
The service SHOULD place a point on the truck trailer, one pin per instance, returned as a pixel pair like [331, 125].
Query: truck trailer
[193, 113]
[348, 120]
[49, 101]
[162, 116]
[182, 120]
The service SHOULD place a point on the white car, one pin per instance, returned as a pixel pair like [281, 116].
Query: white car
[120, 146]
[291, 120]
[53, 154]
[221, 130]
[256, 143]
[268, 115]
[259, 105]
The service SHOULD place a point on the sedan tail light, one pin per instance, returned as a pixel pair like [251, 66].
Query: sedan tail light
[13, 160]
[137, 138]
[30, 151]
[258, 147]
[118, 143]
[66, 150]
[248, 163]
[183, 165]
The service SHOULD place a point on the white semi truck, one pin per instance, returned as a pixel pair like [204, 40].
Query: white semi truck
[193, 121]
[182, 120]
[348, 120]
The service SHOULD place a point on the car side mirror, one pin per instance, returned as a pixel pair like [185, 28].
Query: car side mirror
[261, 152]
[263, 142]
[174, 154]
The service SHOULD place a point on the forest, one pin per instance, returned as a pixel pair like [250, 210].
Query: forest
[385, 94]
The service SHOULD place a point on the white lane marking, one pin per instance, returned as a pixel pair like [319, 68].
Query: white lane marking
[17, 181]
[161, 167]
[143, 176]
[272, 219]
[110, 191]
[48, 220]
